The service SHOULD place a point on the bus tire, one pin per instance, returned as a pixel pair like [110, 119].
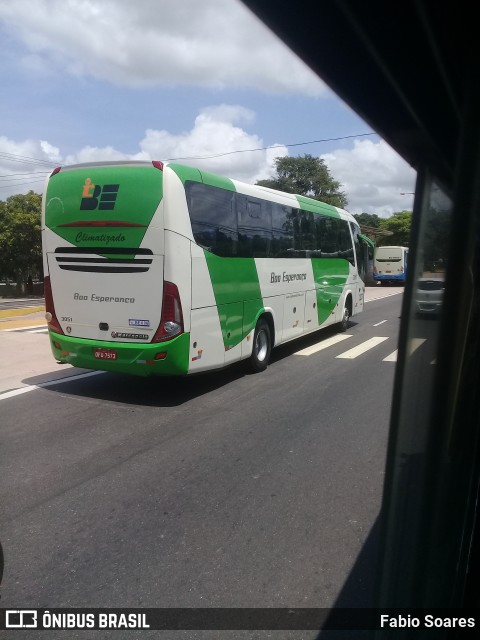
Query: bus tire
[346, 314]
[262, 346]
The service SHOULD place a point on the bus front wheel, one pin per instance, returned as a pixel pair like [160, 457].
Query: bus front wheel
[262, 346]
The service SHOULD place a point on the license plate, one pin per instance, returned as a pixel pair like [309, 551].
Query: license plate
[105, 354]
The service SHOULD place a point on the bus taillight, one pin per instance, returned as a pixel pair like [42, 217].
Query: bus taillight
[171, 324]
[50, 314]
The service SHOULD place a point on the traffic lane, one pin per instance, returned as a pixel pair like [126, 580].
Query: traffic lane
[221, 423]
[30, 360]
[26, 349]
[259, 491]
[273, 512]
[129, 396]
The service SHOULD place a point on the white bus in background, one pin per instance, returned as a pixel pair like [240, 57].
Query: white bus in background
[390, 265]
[162, 269]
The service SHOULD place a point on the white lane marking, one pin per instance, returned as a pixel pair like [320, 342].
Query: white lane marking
[50, 383]
[323, 345]
[379, 323]
[362, 348]
[387, 295]
[392, 357]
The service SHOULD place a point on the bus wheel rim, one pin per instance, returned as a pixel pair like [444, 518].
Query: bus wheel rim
[261, 345]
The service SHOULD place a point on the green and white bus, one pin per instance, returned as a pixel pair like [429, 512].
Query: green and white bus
[156, 268]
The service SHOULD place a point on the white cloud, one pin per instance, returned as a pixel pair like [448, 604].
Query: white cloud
[25, 165]
[213, 43]
[216, 131]
[373, 176]
[100, 154]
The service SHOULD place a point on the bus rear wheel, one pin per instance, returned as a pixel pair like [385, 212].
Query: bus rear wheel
[262, 347]
[346, 315]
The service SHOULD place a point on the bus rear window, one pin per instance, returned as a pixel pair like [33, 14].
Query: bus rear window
[388, 256]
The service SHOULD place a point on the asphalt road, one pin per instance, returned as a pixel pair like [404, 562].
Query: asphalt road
[221, 490]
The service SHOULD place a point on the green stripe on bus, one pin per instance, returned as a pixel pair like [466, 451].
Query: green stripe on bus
[237, 294]
[309, 204]
[195, 175]
[330, 277]
[185, 173]
[217, 181]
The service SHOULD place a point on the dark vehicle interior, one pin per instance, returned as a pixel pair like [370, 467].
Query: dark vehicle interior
[411, 71]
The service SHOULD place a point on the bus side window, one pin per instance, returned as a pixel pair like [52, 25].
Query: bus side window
[307, 240]
[345, 241]
[359, 252]
[213, 217]
[326, 236]
[282, 230]
[254, 227]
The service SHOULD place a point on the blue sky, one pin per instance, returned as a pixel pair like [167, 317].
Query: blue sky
[91, 80]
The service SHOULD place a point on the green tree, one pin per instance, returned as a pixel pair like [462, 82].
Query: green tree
[400, 224]
[306, 176]
[20, 238]
[368, 219]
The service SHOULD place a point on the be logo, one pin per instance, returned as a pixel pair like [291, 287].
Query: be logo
[96, 197]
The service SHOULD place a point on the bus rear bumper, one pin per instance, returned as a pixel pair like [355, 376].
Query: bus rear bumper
[389, 278]
[159, 359]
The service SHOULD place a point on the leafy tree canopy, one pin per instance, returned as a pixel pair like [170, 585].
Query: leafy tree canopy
[20, 236]
[306, 176]
[368, 219]
[400, 224]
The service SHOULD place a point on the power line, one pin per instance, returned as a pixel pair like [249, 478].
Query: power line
[17, 184]
[273, 146]
[28, 159]
[12, 157]
[29, 173]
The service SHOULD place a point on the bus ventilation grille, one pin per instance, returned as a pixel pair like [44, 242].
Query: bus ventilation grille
[104, 259]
